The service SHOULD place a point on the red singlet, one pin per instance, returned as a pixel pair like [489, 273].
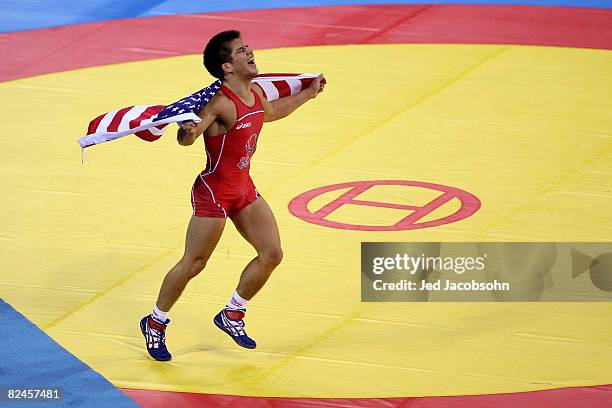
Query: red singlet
[224, 188]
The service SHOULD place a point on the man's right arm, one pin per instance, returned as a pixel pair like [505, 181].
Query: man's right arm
[189, 130]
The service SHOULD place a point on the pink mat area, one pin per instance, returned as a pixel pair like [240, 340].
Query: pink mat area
[34, 52]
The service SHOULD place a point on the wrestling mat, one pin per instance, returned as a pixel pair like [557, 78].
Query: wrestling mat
[509, 103]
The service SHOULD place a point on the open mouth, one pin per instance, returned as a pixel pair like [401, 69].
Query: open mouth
[251, 61]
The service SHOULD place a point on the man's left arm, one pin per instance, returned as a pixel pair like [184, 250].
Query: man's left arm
[282, 107]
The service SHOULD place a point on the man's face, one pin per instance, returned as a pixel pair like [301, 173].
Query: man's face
[243, 59]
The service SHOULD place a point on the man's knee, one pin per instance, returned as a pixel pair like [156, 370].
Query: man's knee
[192, 267]
[272, 257]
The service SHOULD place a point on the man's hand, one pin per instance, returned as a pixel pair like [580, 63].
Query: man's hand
[189, 127]
[316, 86]
[187, 133]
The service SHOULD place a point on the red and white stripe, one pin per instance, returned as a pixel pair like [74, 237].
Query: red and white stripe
[131, 120]
[275, 86]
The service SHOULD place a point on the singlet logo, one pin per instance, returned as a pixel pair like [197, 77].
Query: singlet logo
[250, 147]
[243, 125]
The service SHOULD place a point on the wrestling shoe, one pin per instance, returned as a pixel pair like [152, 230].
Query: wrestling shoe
[154, 333]
[230, 321]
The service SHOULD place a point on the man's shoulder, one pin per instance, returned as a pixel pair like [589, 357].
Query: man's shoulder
[220, 101]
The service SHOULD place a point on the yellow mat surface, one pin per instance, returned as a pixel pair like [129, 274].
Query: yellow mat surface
[525, 129]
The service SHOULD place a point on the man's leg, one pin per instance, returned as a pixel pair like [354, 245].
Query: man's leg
[257, 225]
[203, 234]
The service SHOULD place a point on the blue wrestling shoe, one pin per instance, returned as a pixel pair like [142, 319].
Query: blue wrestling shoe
[230, 321]
[154, 333]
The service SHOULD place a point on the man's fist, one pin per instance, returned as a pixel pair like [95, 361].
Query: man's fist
[317, 85]
[189, 127]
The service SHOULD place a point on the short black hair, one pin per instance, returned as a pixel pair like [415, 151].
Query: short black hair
[217, 52]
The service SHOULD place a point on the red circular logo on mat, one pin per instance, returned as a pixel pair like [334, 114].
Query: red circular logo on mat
[469, 205]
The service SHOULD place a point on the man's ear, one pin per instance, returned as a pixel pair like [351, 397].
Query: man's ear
[227, 67]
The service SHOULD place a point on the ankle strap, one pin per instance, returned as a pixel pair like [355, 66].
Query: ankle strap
[234, 314]
[154, 324]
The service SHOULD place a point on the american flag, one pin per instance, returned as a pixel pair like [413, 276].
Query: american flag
[149, 121]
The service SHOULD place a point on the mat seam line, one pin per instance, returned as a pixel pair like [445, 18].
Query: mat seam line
[420, 100]
[549, 187]
[108, 289]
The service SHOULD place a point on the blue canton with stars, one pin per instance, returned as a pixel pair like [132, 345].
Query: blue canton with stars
[192, 103]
